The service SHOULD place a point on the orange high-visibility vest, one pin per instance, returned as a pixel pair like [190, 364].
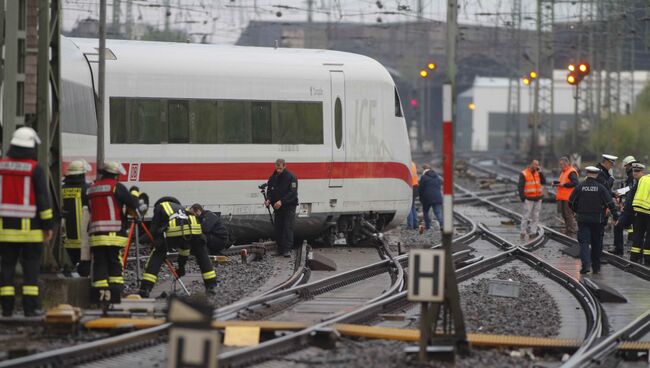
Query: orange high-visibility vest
[414, 174]
[533, 184]
[563, 193]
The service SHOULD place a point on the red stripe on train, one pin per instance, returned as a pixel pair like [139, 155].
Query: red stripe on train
[260, 171]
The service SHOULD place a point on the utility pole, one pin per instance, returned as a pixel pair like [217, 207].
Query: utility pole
[115, 21]
[14, 72]
[310, 11]
[101, 85]
[168, 14]
[514, 83]
[538, 62]
[129, 19]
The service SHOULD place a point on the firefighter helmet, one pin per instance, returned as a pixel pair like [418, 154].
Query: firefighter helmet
[113, 167]
[77, 167]
[25, 137]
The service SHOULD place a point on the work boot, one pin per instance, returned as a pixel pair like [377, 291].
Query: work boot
[635, 257]
[286, 253]
[646, 260]
[116, 293]
[31, 306]
[7, 306]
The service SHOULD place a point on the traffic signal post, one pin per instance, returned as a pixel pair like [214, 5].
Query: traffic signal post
[577, 73]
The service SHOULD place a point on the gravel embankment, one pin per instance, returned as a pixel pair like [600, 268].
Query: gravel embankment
[410, 238]
[533, 313]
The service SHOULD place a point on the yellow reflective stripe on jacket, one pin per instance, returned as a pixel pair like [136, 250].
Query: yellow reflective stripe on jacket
[7, 291]
[21, 236]
[209, 275]
[193, 228]
[184, 252]
[115, 279]
[100, 283]
[112, 239]
[46, 215]
[168, 208]
[72, 243]
[149, 277]
[641, 201]
[30, 290]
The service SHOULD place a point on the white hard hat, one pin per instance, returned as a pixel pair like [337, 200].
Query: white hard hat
[638, 166]
[611, 158]
[592, 169]
[629, 160]
[25, 137]
[77, 167]
[113, 168]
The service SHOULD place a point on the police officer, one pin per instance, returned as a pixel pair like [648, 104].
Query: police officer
[215, 231]
[174, 227]
[641, 207]
[588, 200]
[107, 229]
[282, 194]
[26, 220]
[627, 217]
[73, 193]
[604, 176]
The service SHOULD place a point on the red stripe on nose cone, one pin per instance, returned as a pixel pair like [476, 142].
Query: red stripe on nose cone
[261, 170]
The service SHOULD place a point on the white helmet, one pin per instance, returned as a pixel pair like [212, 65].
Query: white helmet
[629, 160]
[25, 137]
[113, 167]
[78, 167]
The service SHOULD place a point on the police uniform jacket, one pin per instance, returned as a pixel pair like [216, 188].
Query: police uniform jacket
[283, 187]
[627, 208]
[605, 178]
[29, 230]
[589, 200]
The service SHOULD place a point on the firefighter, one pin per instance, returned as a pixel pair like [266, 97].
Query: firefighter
[216, 232]
[107, 229]
[75, 198]
[26, 220]
[174, 227]
[282, 194]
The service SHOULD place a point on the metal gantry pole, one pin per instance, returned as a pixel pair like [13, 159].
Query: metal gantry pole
[538, 63]
[101, 85]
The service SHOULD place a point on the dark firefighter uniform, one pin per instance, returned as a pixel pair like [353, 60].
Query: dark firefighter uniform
[589, 200]
[107, 229]
[283, 187]
[173, 227]
[26, 220]
[73, 194]
[641, 206]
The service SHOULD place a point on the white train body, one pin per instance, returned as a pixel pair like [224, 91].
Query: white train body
[205, 123]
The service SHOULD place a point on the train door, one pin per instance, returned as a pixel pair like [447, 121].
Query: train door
[337, 84]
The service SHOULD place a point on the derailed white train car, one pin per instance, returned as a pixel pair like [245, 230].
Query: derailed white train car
[205, 123]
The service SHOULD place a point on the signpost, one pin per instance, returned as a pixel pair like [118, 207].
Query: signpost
[192, 341]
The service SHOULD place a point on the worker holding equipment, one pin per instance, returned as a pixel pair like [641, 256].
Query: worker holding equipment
[174, 227]
[282, 193]
[628, 216]
[567, 181]
[641, 207]
[529, 187]
[108, 200]
[215, 231]
[26, 220]
[73, 194]
[588, 201]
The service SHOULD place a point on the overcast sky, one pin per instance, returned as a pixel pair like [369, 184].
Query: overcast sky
[223, 20]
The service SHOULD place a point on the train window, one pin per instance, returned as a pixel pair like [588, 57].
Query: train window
[312, 116]
[118, 120]
[143, 121]
[261, 122]
[234, 122]
[297, 123]
[338, 122]
[178, 124]
[398, 105]
[203, 121]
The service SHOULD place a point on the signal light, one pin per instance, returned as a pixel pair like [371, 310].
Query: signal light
[526, 80]
[414, 102]
[431, 66]
[571, 67]
[424, 73]
[472, 106]
[571, 79]
[577, 73]
[584, 68]
[532, 75]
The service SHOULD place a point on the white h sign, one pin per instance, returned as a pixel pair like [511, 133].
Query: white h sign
[426, 278]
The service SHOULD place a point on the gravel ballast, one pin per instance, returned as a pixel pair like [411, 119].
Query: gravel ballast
[533, 313]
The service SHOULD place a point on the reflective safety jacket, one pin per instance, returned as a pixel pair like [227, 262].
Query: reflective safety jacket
[414, 175]
[73, 194]
[532, 184]
[25, 209]
[174, 220]
[641, 201]
[105, 212]
[564, 192]
[17, 197]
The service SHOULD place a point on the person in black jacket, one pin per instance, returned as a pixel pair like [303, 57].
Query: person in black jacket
[282, 194]
[588, 201]
[213, 228]
[430, 190]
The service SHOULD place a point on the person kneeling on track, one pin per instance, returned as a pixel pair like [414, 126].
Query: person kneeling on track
[26, 220]
[73, 193]
[215, 231]
[589, 200]
[173, 227]
[107, 229]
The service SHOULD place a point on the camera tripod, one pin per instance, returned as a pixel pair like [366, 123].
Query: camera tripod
[134, 237]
